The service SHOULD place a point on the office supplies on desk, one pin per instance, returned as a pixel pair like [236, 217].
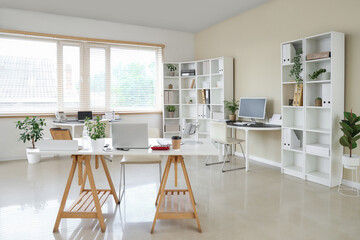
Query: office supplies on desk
[276, 119]
[60, 116]
[130, 135]
[160, 147]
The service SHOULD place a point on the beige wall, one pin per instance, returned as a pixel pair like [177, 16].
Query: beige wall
[253, 38]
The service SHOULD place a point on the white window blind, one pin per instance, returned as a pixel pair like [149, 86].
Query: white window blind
[48, 75]
[28, 79]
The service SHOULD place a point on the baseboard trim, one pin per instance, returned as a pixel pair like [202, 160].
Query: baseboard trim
[5, 159]
[261, 160]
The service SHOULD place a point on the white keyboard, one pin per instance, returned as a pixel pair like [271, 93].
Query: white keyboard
[242, 123]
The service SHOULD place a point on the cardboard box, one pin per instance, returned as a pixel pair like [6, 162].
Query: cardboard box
[320, 55]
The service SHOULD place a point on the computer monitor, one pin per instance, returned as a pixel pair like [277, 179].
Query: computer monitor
[254, 108]
[84, 114]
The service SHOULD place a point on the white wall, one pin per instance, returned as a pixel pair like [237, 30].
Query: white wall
[179, 46]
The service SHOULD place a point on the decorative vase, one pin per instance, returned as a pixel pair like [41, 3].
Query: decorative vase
[98, 144]
[232, 117]
[171, 114]
[350, 162]
[318, 102]
[172, 73]
[32, 158]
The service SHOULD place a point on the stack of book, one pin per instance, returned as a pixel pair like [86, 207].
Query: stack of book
[205, 96]
[169, 97]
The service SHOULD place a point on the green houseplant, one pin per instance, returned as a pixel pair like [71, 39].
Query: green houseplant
[296, 73]
[351, 131]
[171, 110]
[96, 131]
[232, 106]
[172, 68]
[31, 130]
[316, 74]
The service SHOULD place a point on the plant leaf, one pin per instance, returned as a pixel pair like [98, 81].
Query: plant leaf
[347, 127]
[344, 141]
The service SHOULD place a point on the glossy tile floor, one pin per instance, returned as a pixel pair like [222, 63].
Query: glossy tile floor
[259, 204]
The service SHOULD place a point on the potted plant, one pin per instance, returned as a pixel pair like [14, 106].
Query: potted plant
[232, 106]
[96, 131]
[31, 130]
[351, 132]
[171, 109]
[172, 68]
[315, 75]
[296, 73]
[318, 102]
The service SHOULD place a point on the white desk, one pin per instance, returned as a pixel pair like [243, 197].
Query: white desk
[74, 123]
[89, 203]
[247, 129]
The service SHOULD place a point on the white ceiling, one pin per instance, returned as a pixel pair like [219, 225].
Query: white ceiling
[181, 15]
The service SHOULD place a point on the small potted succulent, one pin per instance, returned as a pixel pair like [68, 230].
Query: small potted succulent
[232, 106]
[171, 110]
[172, 68]
[96, 131]
[31, 130]
[318, 102]
[351, 132]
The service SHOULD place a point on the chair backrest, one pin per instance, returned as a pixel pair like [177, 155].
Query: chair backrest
[218, 131]
[60, 134]
[154, 133]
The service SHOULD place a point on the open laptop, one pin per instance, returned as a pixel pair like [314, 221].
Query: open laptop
[84, 114]
[130, 136]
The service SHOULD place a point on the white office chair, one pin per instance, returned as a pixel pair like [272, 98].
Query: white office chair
[218, 134]
[137, 159]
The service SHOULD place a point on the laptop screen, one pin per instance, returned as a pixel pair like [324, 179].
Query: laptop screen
[84, 114]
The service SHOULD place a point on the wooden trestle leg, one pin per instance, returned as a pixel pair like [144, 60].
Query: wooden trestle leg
[175, 203]
[89, 203]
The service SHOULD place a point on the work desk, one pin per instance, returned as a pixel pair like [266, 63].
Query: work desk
[89, 203]
[247, 129]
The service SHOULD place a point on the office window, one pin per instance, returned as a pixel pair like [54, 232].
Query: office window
[27, 76]
[48, 75]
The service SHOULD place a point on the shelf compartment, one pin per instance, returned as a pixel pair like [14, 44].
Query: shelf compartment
[187, 82]
[217, 66]
[203, 68]
[317, 169]
[316, 90]
[299, 149]
[318, 120]
[293, 118]
[189, 111]
[318, 81]
[293, 163]
[288, 93]
[167, 72]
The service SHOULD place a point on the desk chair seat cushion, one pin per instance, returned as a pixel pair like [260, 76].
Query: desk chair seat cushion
[138, 159]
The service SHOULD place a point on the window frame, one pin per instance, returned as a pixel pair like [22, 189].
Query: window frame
[85, 44]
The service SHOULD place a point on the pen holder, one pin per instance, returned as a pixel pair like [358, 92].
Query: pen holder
[176, 140]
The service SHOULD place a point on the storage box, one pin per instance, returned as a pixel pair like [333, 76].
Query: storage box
[172, 128]
[318, 149]
[314, 56]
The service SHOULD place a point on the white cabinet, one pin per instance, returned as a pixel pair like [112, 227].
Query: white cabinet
[318, 158]
[198, 94]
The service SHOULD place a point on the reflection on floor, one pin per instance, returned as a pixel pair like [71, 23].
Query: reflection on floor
[259, 204]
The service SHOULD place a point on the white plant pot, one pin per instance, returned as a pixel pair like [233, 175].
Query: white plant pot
[351, 162]
[32, 158]
[98, 144]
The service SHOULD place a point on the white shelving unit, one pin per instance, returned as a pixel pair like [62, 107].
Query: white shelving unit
[313, 124]
[213, 75]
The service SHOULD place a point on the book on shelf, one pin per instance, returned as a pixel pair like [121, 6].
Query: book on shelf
[166, 97]
[207, 96]
[193, 83]
[203, 96]
[171, 97]
[206, 67]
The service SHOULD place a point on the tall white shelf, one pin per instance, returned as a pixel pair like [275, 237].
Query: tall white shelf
[217, 73]
[312, 124]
